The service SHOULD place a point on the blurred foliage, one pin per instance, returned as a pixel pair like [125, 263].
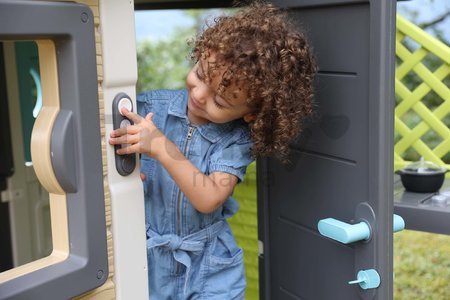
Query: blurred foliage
[165, 63]
[431, 22]
[421, 266]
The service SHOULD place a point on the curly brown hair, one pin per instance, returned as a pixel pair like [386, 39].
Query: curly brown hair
[266, 55]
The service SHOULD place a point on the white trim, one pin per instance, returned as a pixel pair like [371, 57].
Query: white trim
[127, 196]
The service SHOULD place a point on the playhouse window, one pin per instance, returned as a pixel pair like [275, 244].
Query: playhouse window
[25, 202]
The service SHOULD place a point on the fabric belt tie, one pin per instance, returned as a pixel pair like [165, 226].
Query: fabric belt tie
[193, 243]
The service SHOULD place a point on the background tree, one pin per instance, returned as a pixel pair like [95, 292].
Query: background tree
[430, 15]
[164, 64]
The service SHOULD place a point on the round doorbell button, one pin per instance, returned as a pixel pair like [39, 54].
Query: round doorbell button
[124, 102]
[125, 123]
[128, 164]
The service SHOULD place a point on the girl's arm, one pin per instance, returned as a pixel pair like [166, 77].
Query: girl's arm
[206, 193]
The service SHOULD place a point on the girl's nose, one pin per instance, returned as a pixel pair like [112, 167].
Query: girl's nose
[201, 95]
[201, 100]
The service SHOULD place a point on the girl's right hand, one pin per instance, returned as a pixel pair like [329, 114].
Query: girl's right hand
[142, 175]
[142, 137]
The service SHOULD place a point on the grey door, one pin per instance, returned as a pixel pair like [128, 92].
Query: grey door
[342, 166]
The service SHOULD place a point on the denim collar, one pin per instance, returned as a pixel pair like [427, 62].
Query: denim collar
[211, 131]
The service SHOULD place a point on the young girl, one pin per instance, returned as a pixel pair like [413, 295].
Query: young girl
[246, 97]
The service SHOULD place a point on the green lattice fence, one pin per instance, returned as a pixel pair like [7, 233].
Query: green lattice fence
[422, 122]
[422, 118]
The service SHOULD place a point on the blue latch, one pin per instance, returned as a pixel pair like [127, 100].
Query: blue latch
[349, 233]
[367, 279]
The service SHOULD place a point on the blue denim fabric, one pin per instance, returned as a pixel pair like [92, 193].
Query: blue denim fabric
[192, 255]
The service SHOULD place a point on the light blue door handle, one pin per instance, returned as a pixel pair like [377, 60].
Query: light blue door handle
[343, 232]
[349, 233]
[399, 223]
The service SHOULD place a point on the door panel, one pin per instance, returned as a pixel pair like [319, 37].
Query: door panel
[342, 50]
[337, 97]
[341, 166]
[298, 189]
[340, 45]
[318, 253]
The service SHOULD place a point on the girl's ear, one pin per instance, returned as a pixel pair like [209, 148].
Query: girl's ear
[249, 117]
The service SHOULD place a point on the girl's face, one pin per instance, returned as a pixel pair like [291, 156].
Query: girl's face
[206, 104]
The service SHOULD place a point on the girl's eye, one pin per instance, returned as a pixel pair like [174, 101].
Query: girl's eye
[218, 105]
[199, 74]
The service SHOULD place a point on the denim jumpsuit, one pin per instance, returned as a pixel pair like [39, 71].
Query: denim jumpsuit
[192, 255]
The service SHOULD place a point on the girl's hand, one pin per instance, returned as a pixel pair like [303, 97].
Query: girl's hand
[142, 137]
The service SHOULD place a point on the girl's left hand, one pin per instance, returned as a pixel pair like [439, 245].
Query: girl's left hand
[142, 137]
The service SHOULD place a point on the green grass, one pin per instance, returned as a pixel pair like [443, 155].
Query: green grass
[421, 266]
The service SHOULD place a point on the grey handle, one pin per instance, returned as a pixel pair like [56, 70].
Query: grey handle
[63, 145]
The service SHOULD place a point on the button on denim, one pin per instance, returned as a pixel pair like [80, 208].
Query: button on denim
[192, 255]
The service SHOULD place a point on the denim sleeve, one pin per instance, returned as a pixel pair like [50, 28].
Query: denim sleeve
[144, 103]
[232, 156]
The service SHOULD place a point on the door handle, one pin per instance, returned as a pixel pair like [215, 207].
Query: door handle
[350, 233]
[399, 223]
